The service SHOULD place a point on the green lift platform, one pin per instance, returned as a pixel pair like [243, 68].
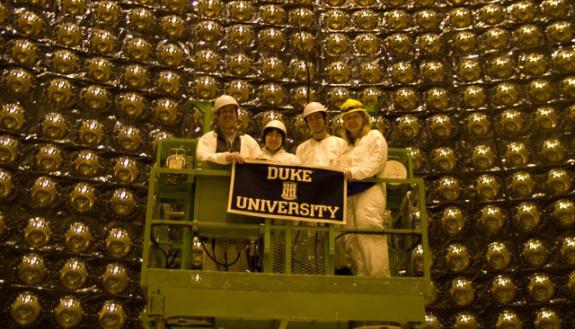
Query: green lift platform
[186, 209]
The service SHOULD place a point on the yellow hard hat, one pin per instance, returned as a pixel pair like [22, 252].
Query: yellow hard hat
[313, 107]
[224, 100]
[352, 105]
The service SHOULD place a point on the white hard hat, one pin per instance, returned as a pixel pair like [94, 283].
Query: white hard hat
[313, 107]
[277, 124]
[224, 100]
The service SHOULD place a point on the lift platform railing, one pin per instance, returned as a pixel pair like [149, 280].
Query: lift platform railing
[186, 208]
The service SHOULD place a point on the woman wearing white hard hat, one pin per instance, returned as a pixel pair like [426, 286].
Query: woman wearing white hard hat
[322, 149]
[363, 157]
[274, 135]
[225, 144]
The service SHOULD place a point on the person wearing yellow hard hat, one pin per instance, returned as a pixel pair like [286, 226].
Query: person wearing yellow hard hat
[274, 135]
[225, 144]
[364, 156]
[322, 149]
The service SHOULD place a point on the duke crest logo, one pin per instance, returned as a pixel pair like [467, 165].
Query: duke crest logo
[289, 191]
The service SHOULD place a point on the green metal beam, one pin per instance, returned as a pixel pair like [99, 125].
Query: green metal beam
[294, 297]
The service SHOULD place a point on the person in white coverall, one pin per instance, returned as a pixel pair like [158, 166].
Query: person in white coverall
[225, 144]
[364, 157]
[322, 149]
[274, 135]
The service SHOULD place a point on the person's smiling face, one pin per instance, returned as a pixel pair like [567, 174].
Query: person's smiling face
[353, 123]
[316, 122]
[273, 140]
[228, 117]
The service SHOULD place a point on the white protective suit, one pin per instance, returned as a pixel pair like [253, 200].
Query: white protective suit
[225, 250]
[207, 144]
[323, 153]
[277, 236]
[281, 157]
[368, 254]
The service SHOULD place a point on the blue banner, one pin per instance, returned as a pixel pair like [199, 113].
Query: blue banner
[291, 192]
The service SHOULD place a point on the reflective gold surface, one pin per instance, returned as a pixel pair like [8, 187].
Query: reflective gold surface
[91, 132]
[546, 318]
[498, 256]
[98, 98]
[165, 111]
[24, 52]
[25, 309]
[6, 184]
[102, 41]
[131, 104]
[73, 274]
[503, 289]
[540, 287]
[68, 312]
[44, 192]
[141, 19]
[462, 291]
[123, 202]
[115, 279]
[78, 238]
[534, 252]
[207, 60]
[128, 138]
[65, 62]
[137, 49]
[18, 81]
[106, 12]
[170, 54]
[118, 242]
[12, 117]
[112, 315]
[32, 269]
[452, 220]
[173, 26]
[83, 197]
[48, 158]
[37, 232]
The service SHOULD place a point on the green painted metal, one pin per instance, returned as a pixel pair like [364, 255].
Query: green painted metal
[193, 298]
[263, 296]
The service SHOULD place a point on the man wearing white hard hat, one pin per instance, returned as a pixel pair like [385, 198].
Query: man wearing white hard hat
[274, 135]
[364, 156]
[322, 149]
[225, 144]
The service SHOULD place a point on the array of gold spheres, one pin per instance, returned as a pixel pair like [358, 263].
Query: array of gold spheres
[481, 94]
